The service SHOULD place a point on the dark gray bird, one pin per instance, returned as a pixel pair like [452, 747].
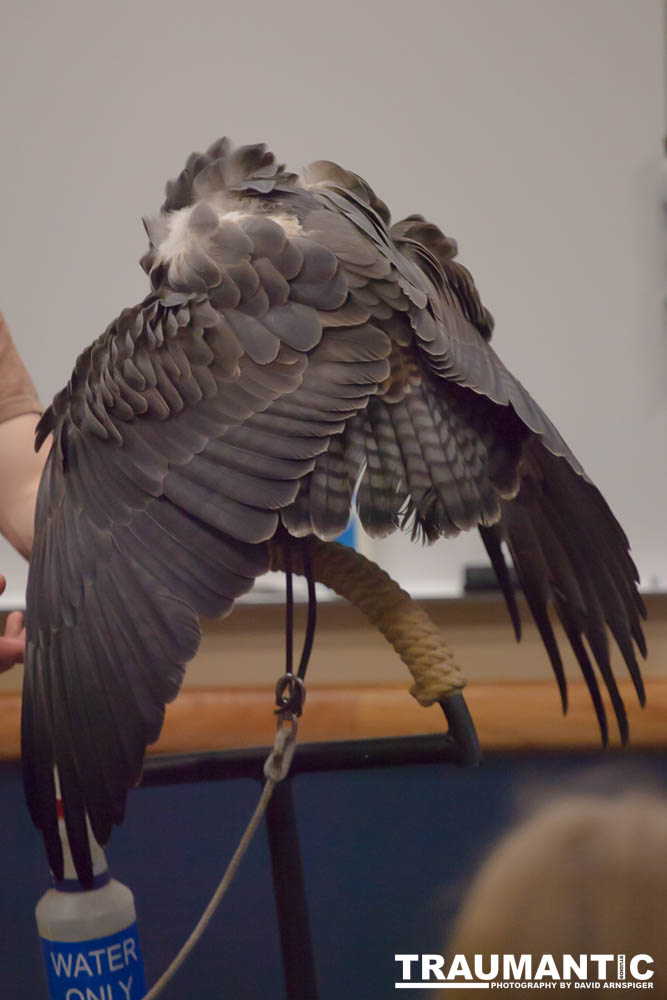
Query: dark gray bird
[294, 345]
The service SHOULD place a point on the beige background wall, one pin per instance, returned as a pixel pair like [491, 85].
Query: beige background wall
[529, 129]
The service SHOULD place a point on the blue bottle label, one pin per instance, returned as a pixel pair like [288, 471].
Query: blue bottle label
[108, 968]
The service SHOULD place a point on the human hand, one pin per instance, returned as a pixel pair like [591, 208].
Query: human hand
[12, 644]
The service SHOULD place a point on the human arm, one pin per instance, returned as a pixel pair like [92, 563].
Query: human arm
[21, 467]
[21, 471]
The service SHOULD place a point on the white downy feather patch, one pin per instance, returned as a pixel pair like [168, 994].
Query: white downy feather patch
[179, 238]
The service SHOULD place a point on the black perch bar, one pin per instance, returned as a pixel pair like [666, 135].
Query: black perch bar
[458, 746]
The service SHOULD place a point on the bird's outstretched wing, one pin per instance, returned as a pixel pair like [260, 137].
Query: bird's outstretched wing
[453, 441]
[183, 432]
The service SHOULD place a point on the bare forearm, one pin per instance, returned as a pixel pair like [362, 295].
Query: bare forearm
[21, 471]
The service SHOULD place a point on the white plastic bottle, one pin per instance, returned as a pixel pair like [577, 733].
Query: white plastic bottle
[89, 936]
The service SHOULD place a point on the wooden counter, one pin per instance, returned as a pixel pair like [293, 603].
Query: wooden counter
[358, 686]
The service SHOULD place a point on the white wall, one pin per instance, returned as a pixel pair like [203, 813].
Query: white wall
[531, 130]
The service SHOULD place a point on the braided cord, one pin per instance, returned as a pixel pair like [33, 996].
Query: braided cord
[416, 639]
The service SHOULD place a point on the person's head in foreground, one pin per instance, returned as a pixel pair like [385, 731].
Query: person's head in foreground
[584, 876]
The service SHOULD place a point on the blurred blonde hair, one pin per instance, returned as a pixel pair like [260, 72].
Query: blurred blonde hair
[585, 875]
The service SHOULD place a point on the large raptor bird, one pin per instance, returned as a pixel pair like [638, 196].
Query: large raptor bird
[294, 346]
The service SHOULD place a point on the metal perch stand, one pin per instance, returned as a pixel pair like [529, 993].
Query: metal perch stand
[436, 678]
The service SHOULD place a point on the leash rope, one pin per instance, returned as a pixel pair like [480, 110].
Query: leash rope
[290, 697]
[276, 767]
